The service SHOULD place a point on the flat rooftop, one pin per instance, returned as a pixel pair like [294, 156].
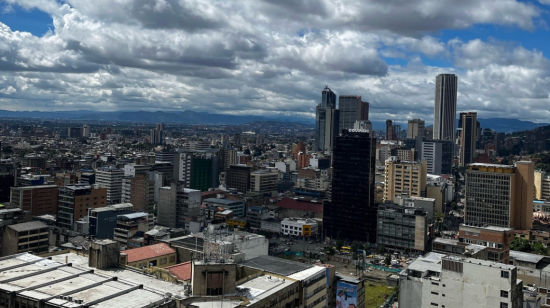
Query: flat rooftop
[223, 201]
[61, 284]
[525, 257]
[262, 287]
[276, 265]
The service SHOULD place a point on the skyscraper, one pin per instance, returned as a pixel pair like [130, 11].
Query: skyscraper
[390, 132]
[326, 121]
[468, 138]
[415, 128]
[364, 111]
[351, 212]
[157, 134]
[350, 107]
[445, 107]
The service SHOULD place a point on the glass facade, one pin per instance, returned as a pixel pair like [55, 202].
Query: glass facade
[351, 212]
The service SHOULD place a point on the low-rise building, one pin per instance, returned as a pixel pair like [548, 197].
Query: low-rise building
[159, 255]
[237, 206]
[25, 237]
[128, 225]
[299, 227]
[102, 221]
[265, 182]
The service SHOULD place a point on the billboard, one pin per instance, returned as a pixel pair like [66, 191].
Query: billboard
[346, 295]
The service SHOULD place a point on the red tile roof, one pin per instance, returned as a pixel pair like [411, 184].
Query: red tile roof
[301, 205]
[182, 271]
[148, 252]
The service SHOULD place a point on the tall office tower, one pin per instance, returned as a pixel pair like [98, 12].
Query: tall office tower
[445, 107]
[364, 116]
[439, 156]
[85, 130]
[390, 133]
[363, 124]
[110, 178]
[351, 212]
[500, 195]
[415, 128]
[157, 134]
[350, 107]
[326, 121]
[176, 203]
[404, 178]
[468, 138]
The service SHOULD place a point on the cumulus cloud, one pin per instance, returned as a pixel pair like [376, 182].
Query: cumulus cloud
[269, 57]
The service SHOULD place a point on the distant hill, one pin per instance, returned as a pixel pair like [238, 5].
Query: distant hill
[183, 117]
[508, 125]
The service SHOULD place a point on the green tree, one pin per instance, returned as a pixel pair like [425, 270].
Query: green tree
[387, 260]
[521, 244]
[439, 218]
[381, 250]
[539, 248]
[330, 250]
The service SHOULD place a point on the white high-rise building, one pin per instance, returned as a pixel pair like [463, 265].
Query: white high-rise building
[85, 131]
[445, 107]
[110, 178]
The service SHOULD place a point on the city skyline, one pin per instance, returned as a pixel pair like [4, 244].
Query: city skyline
[167, 55]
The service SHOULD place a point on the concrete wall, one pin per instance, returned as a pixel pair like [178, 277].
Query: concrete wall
[199, 277]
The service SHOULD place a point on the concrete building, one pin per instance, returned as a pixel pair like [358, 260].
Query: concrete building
[128, 225]
[236, 206]
[140, 191]
[438, 280]
[427, 204]
[33, 161]
[176, 203]
[415, 128]
[32, 281]
[74, 202]
[265, 181]
[237, 245]
[496, 239]
[439, 156]
[403, 228]
[238, 177]
[312, 279]
[130, 170]
[159, 255]
[299, 227]
[326, 121]
[542, 185]
[39, 200]
[85, 130]
[468, 138]
[500, 195]
[404, 177]
[102, 221]
[445, 107]
[349, 107]
[110, 178]
[25, 237]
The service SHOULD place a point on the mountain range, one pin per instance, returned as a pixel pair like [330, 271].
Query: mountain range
[193, 117]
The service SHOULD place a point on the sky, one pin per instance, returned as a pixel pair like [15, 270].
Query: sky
[274, 57]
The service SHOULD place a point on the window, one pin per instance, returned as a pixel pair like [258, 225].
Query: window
[504, 274]
[503, 305]
[435, 283]
[434, 304]
[503, 293]
[435, 293]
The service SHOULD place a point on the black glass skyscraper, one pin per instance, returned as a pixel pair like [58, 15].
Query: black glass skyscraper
[326, 121]
[351, 213]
